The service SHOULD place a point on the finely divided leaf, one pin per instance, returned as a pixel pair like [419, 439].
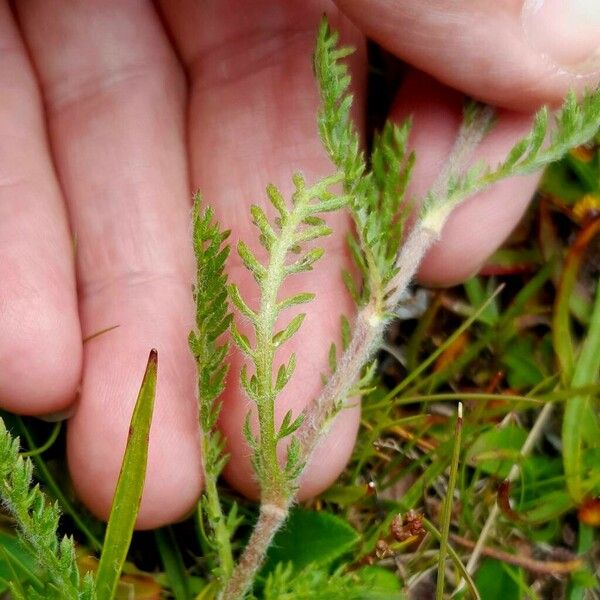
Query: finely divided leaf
[37, 523]
[297, 223]
[212, 320]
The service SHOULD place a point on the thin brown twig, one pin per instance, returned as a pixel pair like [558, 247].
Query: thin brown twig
[544, 567]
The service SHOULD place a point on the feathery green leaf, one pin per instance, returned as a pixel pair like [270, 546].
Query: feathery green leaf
[212, 320]
[297, 223]
[375, 196]
[37, 522]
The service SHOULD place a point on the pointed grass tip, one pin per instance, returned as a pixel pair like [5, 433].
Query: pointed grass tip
[153, 357]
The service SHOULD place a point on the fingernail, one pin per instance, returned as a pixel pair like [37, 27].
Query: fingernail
[566, 32]
[61, 415]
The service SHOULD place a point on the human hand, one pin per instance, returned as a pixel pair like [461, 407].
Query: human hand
[143, 104]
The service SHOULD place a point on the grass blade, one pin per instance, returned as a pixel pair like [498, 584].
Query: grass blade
[14, 583]
[577, 409]
[448, 502]
[561, 322]
[172, 562]
[432, 529]
[128, 494]
[47, 444]
[434, 355]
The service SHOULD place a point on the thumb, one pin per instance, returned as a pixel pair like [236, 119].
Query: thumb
[517, 54]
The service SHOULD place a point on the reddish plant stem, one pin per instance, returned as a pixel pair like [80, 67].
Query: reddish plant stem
[270, 520]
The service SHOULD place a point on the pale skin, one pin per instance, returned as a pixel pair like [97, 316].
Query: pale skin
[113, 112]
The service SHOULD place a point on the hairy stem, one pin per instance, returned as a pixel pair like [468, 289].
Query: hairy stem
[270, 520]
[367, 338]
[413, 250]
[372, 320]
[386, 279]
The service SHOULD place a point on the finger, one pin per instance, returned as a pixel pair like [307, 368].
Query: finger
[40, 338]
[517, 54]
[252, 121]
[115, 101]
[478, 227]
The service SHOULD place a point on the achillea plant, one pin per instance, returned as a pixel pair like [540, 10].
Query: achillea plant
[387, 258]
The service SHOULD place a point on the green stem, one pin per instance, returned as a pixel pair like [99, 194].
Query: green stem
[430, 527]
[274, 487]
[47, 444]
[220, 538]
[172, 562]
[448, 504]
[216, 518]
